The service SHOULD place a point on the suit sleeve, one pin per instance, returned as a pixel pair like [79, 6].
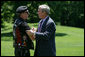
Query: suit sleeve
[50, 30]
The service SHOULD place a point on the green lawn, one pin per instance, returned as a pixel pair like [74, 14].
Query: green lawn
[69, 41]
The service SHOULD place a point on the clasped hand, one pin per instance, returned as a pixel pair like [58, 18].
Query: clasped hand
[31, 33]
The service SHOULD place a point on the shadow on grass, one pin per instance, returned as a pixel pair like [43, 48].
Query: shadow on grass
[60, 34]
[9, 34]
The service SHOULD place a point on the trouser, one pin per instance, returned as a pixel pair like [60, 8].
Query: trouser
[22, 52]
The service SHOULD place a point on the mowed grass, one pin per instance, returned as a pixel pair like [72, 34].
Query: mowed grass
[69, 40]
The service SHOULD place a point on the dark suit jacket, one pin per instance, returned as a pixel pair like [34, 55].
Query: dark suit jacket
[45, 40]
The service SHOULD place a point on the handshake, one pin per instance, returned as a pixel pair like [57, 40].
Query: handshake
[31, 33]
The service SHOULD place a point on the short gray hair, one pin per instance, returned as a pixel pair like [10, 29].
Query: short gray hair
[45, 8]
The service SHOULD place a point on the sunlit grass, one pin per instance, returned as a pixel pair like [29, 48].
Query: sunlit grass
[69, 40]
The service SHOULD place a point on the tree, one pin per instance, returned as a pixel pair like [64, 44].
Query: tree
[70, 13]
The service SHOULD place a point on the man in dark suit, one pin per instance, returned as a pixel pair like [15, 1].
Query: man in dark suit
[45, 35]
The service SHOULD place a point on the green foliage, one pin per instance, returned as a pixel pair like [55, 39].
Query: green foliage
[6, 11]
[70, 13]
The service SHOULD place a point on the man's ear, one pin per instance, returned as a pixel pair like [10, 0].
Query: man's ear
[44, 13]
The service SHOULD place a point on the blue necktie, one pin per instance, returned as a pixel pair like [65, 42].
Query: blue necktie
[39, 28]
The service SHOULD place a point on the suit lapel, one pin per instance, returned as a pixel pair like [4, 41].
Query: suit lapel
[44, 24]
